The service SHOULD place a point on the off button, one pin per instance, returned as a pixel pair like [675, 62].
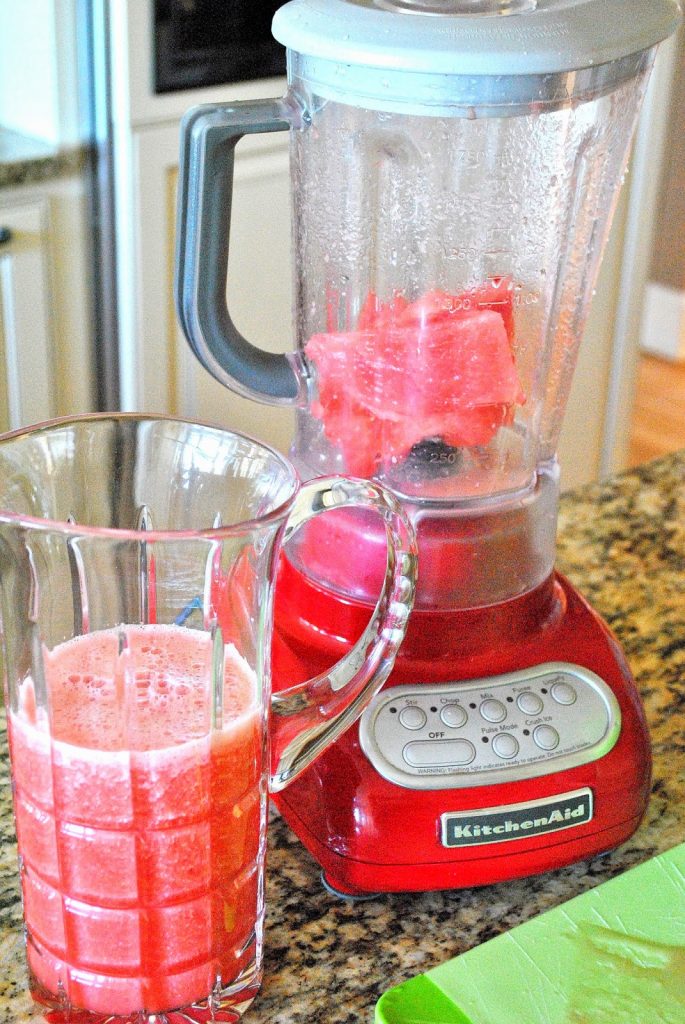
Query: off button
[439, 753]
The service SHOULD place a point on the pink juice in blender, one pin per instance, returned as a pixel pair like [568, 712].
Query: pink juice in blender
[137, 828]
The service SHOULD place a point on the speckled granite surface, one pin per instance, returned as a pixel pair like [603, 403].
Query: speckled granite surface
[327, 962]
[25, 160]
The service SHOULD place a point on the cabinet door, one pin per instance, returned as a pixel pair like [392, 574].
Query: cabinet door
[26, 344]
[159, 371]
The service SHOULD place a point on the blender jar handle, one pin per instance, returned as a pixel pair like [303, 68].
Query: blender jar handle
[307, 717]
[209, 134]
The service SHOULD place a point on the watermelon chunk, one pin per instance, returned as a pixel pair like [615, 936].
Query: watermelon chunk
[375, 314]
[442, 366]
[496, 295]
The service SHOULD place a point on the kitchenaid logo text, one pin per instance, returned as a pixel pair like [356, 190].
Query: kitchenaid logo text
[519, 821]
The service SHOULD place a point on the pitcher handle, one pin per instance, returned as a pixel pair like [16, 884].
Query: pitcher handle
[306, 718]
[209, 134]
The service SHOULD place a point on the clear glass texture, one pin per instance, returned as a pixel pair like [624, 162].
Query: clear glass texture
[445, 265]
[445, 262]
[137, 561]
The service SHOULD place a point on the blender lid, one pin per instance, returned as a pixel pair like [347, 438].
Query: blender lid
[474, 37]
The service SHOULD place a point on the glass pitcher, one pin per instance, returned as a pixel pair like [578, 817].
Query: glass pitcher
[455, 166]
[137, 559]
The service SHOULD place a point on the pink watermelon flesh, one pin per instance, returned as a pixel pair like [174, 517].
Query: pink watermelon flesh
[441, 366]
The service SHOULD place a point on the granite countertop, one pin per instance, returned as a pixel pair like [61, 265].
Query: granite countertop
[26, 160]
[327, 961]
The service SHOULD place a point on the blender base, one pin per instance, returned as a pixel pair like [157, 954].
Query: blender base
[372, 835]
[407, 878]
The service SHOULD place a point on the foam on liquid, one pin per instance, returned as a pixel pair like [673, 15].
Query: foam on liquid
[152, 695]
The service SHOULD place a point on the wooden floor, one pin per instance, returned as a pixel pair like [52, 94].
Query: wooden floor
[659, 416]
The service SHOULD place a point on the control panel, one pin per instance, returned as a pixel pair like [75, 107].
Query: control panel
[502, 729]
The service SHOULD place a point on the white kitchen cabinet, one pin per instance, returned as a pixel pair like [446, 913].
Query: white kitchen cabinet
[26, 331]
[158, 372]
[46, 359]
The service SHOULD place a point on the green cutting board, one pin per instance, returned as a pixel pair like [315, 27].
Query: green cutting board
[614, 955]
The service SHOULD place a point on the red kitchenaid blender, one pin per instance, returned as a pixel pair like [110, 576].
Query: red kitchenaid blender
[455, 167]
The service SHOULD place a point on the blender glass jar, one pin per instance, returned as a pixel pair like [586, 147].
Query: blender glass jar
[445, 257]
[455, 167]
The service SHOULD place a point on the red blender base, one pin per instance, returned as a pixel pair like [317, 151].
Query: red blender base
[370, 834]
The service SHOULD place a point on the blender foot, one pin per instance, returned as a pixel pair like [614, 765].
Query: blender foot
[351, 897]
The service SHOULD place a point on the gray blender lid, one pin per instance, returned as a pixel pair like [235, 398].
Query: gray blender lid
[474, 37]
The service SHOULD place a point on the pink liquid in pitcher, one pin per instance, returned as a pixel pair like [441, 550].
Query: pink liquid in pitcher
[138, 825]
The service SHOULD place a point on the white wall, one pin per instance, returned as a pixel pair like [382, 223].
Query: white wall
[38, 70]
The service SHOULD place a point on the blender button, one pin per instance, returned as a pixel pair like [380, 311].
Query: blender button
[529, 703]
[438, 754]
[505, 745]
[412, 717]
[453, 715]
[546, 737]
[563, 693]
[493, 711]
